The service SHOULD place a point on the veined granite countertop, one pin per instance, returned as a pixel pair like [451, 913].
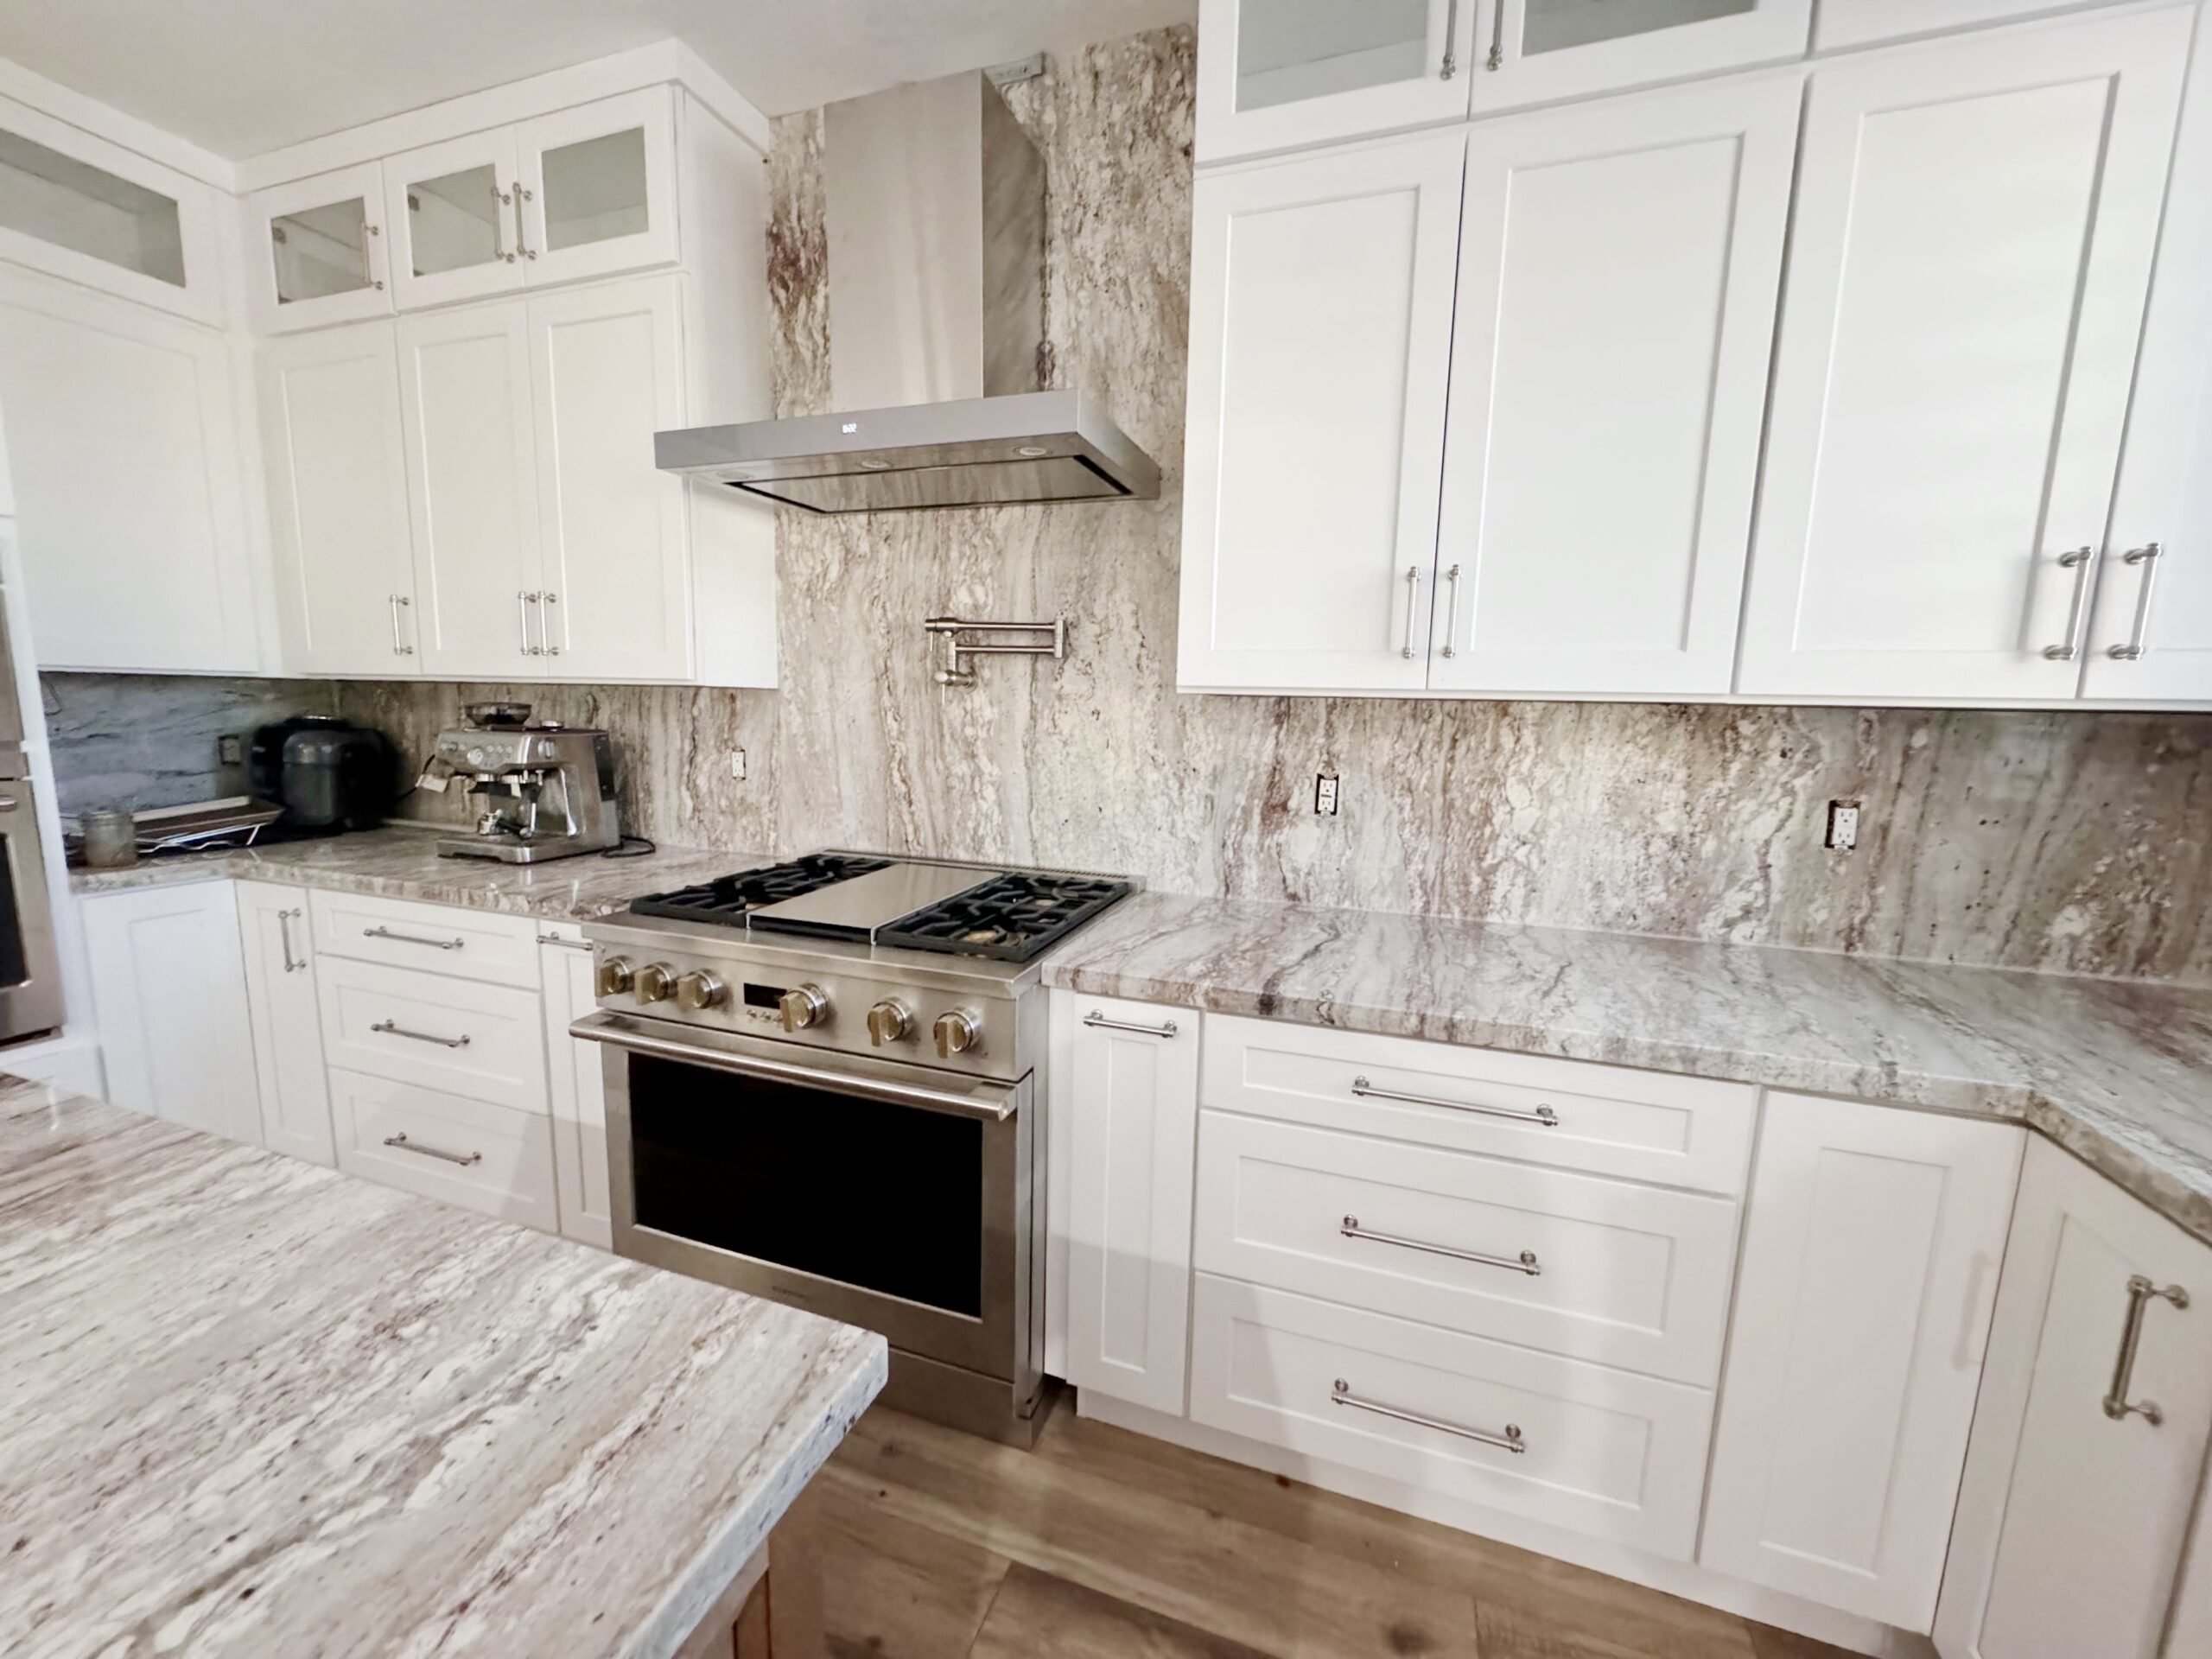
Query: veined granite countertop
[402, 861]
[2118, 1072]
[255, 1408]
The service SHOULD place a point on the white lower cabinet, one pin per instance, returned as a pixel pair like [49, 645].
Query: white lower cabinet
[1133, 1123]
[486, 1042]
[287, 1022]
[496, 1159]
[575, 1087]
[1870, 1265]
[1606, 1453]
[169, 999]
[2085, 1465]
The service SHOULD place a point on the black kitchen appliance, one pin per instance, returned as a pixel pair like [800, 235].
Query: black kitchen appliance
[328, 775]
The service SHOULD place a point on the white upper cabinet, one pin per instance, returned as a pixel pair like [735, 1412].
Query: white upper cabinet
[2089, 1442]
[1618, 267]
[316, 251]
[338, 501]
[2151, 637]
[598, 186]
[451, 214]
[1974, 231]
[1320, 337]
[615, 592]
[75, 205]
[469, 430]
[1541, 51]
[124, 442]
[1275, 75]
[1870, 1265]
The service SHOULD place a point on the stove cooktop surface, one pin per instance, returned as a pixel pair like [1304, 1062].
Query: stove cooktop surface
[968, 909]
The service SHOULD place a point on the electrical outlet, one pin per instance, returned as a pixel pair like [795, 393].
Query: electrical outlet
[1325, 794]
[228, 751]
[1843, 825]
[737, 765]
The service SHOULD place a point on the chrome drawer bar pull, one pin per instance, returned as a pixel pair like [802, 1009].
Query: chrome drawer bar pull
[1524, 1263]
[1099, 1021]
[1508, 1441]
[389, 1029]
[412, 938]
[400, 1143]
[573, 945]
[1542, 1114]
[2117, 1405]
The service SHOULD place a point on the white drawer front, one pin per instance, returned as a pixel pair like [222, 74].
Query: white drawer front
[1646, 1125]
[1582, 1265]
[1608, 1453]
[484, 1041]
[437, 938]
[465, 1152]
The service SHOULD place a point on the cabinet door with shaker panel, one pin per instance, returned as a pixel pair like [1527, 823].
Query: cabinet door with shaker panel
[1972, 245]
[337, 502]
[2090, 1438]
[287, 1029]
[575, 1087]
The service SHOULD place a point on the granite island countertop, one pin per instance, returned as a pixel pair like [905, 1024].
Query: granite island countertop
[2118, 1072]
[255, 1408]
[401, 861]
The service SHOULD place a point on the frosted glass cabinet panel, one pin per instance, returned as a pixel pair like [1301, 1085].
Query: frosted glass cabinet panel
[598, 187]
[77, 206]
[317, 249]
[1274, 74]
[1537, 51]
[452, 214]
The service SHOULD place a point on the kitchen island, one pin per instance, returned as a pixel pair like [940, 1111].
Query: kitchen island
[256, 1407]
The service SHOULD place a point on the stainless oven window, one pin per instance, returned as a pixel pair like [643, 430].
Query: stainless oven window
[886, 1197]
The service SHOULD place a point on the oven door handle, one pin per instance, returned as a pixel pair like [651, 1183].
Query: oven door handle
[991, 1103]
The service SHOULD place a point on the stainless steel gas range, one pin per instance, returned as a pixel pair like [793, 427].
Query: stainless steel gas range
[822, 1081]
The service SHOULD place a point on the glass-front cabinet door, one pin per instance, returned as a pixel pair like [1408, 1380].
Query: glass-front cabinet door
[1276, 74]
[77, 206]
[318, 250]
[598, 188]
[1539, 51]
[452, 214]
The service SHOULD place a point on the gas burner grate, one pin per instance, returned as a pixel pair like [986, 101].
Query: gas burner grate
[731, 899]
[1010, 918]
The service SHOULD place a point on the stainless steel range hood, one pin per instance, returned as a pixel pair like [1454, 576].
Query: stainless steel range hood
[935, 204]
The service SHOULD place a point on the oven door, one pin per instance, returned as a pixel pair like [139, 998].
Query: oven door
[882, 1194]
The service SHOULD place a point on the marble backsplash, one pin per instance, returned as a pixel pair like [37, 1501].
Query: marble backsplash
[144, 741]
[2069, 841]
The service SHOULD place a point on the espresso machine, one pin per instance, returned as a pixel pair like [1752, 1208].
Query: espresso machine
[540, 790]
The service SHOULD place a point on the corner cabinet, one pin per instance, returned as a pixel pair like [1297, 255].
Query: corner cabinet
[2088, 1445]
[575, 1087]
[1975, 227]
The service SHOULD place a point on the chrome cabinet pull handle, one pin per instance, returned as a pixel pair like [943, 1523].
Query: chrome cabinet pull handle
[1542, 1114]
[1511, 1440]
[393, 1028]
[2117, 1404]
[2081, 561]
[522, 240]
[284, 938]
[572, 944]
[399, 646]
[546, 600]
[1451, 64]
[1412, 606]
[524, 600]
[1497, 59]
[383, 932]
[1452, 615]
[1099, 1021]
[1525, 1262]
[401, 1143]
[2147, 555]
[504, 198]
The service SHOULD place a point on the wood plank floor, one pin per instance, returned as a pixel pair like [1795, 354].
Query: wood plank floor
[1101, 1544]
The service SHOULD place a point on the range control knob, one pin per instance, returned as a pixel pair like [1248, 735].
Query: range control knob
[699, 990]
[803, 1005]
[612, 977]
[957, 1032]
[653, 983]
[888, 1021]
